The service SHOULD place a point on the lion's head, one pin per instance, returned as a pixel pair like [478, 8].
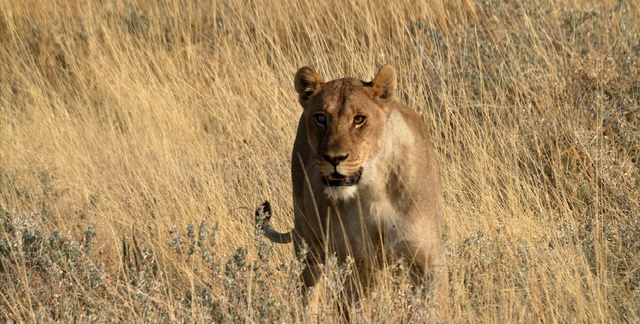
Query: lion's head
[345, 122]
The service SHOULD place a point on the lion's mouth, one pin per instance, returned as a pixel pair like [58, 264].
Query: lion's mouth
[338, 180]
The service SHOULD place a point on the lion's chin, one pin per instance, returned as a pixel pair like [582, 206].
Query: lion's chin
[340, 193]
[340, 187]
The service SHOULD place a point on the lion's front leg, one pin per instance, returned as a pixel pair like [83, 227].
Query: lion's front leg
[311, 290]
[430, 275]
[311, 278]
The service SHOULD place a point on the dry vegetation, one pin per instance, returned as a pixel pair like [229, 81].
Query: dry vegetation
[136, 138]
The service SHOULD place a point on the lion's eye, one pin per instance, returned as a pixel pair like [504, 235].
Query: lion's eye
[321, 119]
[359, 120]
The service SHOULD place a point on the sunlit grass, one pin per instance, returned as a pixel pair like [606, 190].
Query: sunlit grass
[137, 138]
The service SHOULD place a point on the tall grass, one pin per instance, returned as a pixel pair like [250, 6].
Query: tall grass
[129, 130]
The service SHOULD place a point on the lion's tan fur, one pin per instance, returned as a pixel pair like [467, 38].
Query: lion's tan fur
[395, 208]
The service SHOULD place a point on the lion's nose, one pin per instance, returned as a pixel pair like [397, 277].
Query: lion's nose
[334, 160]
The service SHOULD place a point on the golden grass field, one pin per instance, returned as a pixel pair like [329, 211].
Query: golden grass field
[128, 130]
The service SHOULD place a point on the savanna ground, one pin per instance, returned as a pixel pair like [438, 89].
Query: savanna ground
[136, 139]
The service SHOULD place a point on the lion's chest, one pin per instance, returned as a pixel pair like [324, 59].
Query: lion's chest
[370, 223]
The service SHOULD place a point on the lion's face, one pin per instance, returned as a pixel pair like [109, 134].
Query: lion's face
[345, 121]
[344, 125]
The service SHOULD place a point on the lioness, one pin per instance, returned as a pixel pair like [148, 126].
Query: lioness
[365, 183]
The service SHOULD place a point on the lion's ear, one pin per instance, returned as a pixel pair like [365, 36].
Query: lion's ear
[307, 82]
[384, 84]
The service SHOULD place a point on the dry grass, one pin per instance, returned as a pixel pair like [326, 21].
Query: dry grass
[124, 126]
